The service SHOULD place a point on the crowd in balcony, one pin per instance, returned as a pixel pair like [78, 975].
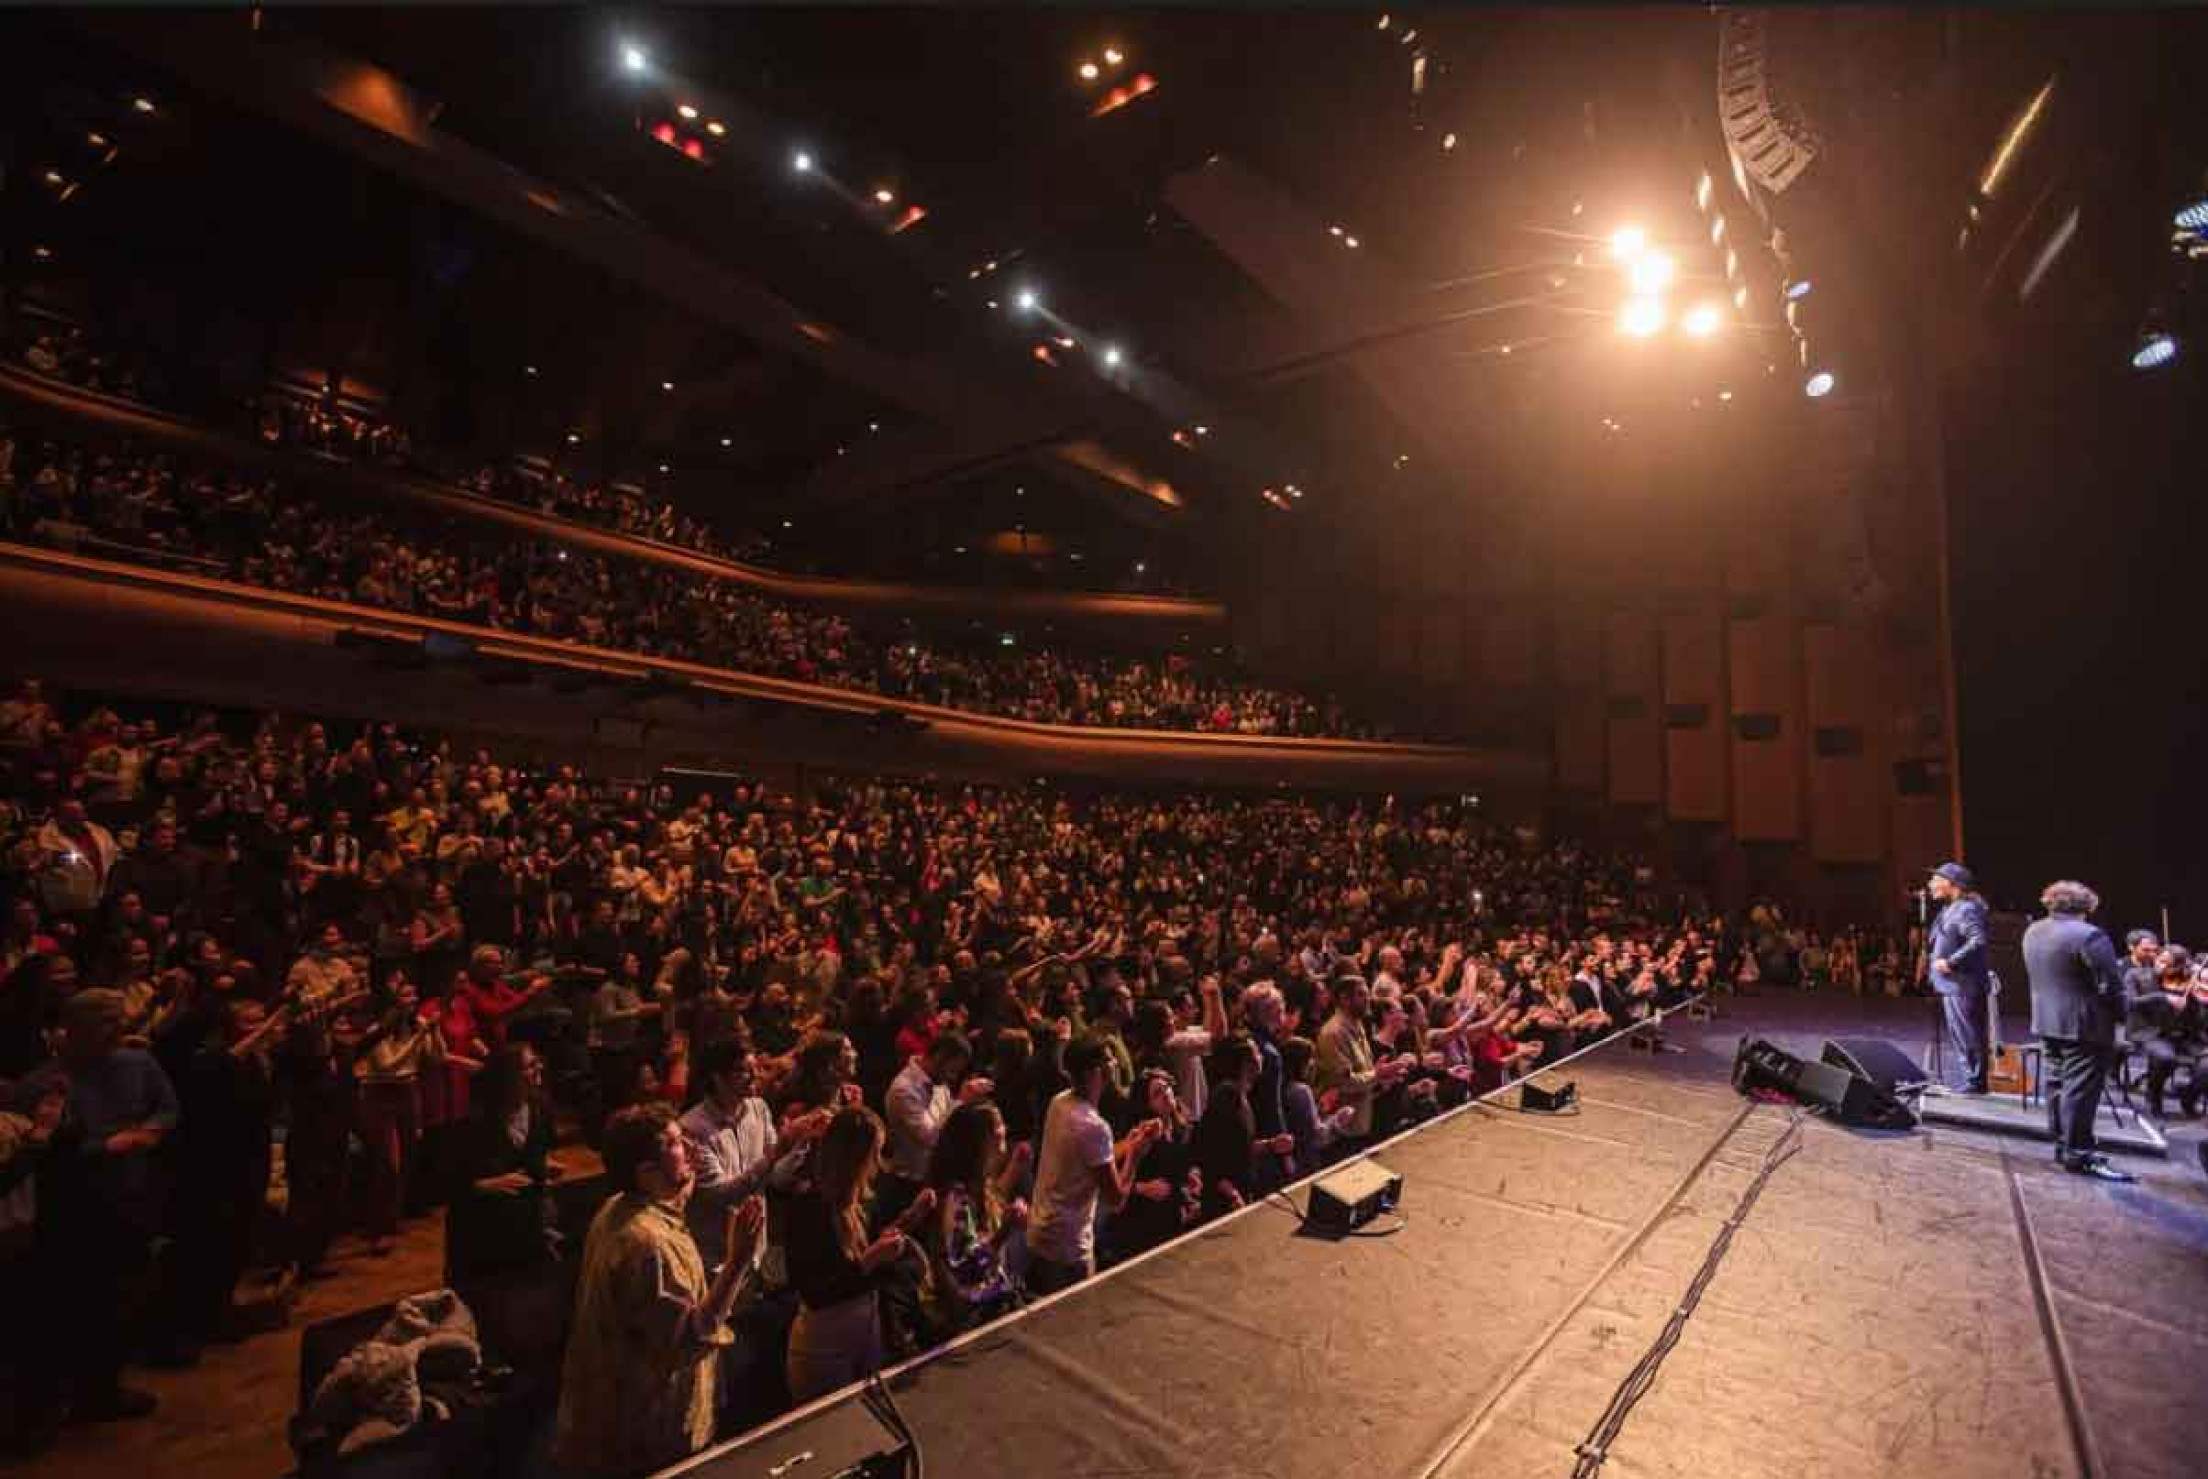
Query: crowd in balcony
[115, 501]
[921, 1021]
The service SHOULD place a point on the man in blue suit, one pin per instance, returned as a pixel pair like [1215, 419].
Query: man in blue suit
[2077, 1000]
[1958, 967]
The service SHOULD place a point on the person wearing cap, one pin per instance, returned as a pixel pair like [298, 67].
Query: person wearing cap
[1958, 969]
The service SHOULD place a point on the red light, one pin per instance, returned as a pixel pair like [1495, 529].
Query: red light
[665, 133]
[913, 216]
[691, 148]
[1042, 353]
[1120, 97]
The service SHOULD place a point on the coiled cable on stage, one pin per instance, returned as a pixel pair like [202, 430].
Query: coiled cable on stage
[1594, 1449]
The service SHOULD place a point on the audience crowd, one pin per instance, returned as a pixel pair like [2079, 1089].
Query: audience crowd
[409, 559]
[970, 1043]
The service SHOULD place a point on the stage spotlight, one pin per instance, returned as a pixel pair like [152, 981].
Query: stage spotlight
[142, 105]
[885, 197]
[1628, 242]
[1350, 242]
[1113, 56]
[715, 127]
[689, 113]
[1641, 317]
[1703, 320]
[1798, 289]
[1651, 272]
[2193, 217]
[1702, 192]
[1819, 385]
[1027, 300]
[2155, 350]
[802, 162]
[1112, 356]
[634, 59]
[1090, 72]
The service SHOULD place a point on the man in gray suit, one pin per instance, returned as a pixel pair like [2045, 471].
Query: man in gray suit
[2077, 1000]
[1959, 968]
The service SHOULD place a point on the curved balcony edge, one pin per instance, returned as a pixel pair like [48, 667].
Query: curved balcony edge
[154, 630]
[76, 403]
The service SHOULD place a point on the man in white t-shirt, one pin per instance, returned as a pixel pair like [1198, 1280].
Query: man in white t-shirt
[1078, 1168]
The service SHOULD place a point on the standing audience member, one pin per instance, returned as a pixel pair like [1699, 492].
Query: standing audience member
[637, 1389]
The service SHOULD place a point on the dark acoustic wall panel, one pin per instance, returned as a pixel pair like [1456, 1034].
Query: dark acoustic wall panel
[1847, 815]
[1632, 674]
[1695, 787]
[1762, 660]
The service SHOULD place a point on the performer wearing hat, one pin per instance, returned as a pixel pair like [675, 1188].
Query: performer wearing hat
[1957, 968]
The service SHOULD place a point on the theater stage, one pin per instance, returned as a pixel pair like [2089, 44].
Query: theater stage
[1927, 1302]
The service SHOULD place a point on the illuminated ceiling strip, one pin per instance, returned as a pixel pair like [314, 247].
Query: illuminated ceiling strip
[2048, 253]
[2014, 139]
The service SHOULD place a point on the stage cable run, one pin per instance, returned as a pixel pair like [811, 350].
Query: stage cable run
[1594, 1449]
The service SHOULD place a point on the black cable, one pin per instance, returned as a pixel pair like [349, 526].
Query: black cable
[1594, 1449]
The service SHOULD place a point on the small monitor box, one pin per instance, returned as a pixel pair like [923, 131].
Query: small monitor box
[1349, 1198]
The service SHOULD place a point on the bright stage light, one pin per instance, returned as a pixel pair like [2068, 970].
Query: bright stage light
[1702, 192]
[2155, 350]
[802, 162]
[715, 127]
[1703, 320]
[634, 59]
[1798, 289]
[1651, 272]
[1819, 385]
[1113, 56]
[1027, 300]
[1641, 317]
[1089, 71]
[689, 113]
[1628, 242]
[1112, 356]
[2193, 217]
[885, 196]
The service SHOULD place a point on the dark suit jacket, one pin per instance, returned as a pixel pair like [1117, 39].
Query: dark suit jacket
[2077, 981]
[1959, 938]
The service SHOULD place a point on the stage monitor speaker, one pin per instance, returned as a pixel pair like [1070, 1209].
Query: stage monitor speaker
[1766, 1067]
[1563, 1099]
[1351, 1197]
[1876, 1059]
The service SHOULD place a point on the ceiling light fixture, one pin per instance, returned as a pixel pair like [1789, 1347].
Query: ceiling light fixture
[1027, 300]
[1090, 71]
[1819, 385]
[688, 112]
[715, 127]
[632, 57]
[1641, 317]
[142, 105]
[1112, 356]
[1350, 242]
[2156, 349]
[802, 162]
[883, 195]
[1703, 320]
[1113, 56]
[1798, 289]
[1651, 273]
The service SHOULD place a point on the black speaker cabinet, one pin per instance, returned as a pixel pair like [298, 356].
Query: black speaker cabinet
[1853, 1100]
[1876, 1059]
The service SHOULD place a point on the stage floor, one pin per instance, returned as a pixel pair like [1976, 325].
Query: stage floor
[1877, 1312]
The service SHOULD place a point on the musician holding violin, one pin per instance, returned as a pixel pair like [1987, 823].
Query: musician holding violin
[2168, 1020]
